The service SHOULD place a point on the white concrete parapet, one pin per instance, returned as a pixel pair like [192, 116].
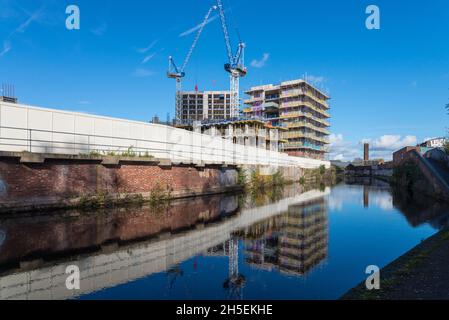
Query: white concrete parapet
[38, 130]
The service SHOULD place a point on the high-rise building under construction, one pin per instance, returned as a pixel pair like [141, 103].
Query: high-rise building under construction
[297, 106]
[203, 105]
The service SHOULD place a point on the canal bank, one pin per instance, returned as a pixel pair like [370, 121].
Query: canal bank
[37, 181]
[420, 274]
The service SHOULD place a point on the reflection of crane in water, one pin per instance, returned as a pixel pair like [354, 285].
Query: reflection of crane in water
[235, 283]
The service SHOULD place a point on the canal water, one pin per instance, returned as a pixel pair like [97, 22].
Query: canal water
[289, 243]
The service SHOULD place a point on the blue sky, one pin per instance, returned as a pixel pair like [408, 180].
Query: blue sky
[388, 86]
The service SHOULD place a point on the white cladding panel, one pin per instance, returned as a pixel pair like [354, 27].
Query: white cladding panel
[25, 128]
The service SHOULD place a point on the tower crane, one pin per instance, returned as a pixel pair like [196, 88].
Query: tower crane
[235, 282]
[179, 73]
[236, 64]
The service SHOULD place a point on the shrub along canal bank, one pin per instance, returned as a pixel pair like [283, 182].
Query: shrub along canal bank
[420, 274]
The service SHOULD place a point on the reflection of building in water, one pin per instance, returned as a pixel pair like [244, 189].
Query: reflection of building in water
[135, 254]
[292, 243]
[366, 196]
[418, 209]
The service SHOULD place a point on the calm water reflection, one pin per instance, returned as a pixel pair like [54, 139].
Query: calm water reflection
[289, 244]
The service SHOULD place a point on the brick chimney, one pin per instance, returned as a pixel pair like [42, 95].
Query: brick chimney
[366, 152]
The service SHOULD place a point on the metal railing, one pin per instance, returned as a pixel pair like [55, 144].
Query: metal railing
[57, 142]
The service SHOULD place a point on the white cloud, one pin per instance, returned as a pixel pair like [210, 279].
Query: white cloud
[6, 48]
[262, 62]
[100, 30]
[341, 149]
[149, 47]
[148, 58]
[392, 142]
[35, 16]
[382, 147]
[197, 27]
[142, 73]
[32, 17]
[428, 139]
[315, 79]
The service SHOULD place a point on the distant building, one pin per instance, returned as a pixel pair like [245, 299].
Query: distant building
[8, 99]
[366, 152]
[157, 120]
[423, 148]
[340, 164]
[203, 105]
[300, 108]
[399, 155]
[434, 143]
[7, 94]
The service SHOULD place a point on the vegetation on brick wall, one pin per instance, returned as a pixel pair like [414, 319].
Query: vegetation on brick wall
[159, 196]
[319, 176]
[407, 176]
[241, 178]
[103, 200]
[258, 182]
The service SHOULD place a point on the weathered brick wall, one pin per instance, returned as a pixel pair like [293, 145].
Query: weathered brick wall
[65, 179]
[439, 187]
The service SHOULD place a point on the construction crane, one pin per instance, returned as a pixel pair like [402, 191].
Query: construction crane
[235, 282]
[235, 66]
[179, 73]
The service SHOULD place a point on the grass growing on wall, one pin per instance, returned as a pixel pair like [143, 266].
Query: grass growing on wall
[319, 175]
[159, 196]
[258, 182]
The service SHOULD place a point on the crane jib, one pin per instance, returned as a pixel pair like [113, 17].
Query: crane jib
[235, 65]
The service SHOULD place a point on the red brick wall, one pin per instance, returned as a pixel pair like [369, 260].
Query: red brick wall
[400, 155]
[65, 179]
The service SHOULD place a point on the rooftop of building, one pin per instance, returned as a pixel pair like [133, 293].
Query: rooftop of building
[206, 92]
[284, 84]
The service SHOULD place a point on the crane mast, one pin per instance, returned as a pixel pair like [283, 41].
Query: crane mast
[235, 66]
[179, 73]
